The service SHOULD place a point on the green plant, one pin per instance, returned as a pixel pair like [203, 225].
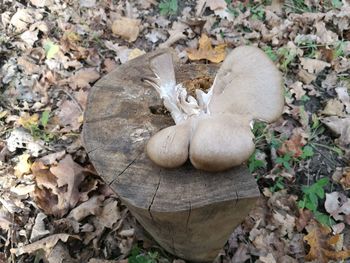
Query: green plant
[285, 160]
[271, 53]
[307, 152]
[278, 185]
[168, 7]
[309, 46]
[258, 12]
[254, 163]
[37, 130]
[311, 196]
[297, 6]
[137, 256]
[339, 48]
[337, 4]
[287, 55]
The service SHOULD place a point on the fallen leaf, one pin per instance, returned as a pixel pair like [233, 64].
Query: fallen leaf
[52, 158]
[21, 19]
[216, 4]
[294, 145]
[306, 77]
[20, 139]
[87, 3]
[61, 187]
[69, 174]
[313, 65]
[135, 53]
[91, 207]
[30, 37]
[46, 243]
[340, 126]
[126, 28]
[82, 78]
[206, 51]
[345, 180]
[175, 34]
[23, 165]
[334, 107]
[322, 244]
[337, 205]
[344, 97]
[39, 230]
[26, 120]
[41, 3]
[297, 89]
[28, 67]
[110, 213]
[69, 114]
[51, 49]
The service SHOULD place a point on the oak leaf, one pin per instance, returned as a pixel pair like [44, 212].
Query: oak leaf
[323, 246]
[206, 51]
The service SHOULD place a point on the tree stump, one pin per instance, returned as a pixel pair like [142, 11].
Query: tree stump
[190, 213]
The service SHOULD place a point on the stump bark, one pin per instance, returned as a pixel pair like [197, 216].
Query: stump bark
[190, 213]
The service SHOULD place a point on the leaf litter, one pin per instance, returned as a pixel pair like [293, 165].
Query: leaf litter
[53, 205]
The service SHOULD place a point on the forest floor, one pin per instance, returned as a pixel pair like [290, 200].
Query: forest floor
[53, 205]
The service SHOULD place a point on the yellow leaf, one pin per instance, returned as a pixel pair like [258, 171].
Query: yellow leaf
[23, 166]
[322, 244]
[135, 53]
[3, 114]
[206, 51]
[27, 121]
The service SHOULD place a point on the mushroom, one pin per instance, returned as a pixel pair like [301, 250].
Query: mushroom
[213, 130]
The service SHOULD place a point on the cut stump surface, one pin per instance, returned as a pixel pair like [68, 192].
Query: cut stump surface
[190, 213]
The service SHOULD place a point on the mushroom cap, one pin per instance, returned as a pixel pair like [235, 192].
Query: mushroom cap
[169, 147]
[220, 142]
[248, 83]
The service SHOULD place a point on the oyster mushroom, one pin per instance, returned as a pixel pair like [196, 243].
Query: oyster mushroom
[213, 130]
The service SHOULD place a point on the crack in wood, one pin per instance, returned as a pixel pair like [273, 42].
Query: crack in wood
[100, 119]
[189, 215]
[126, 168]
[154, 196]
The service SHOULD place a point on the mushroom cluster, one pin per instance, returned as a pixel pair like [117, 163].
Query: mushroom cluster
[213, 130]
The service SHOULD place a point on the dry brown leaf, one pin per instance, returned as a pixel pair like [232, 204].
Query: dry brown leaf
[294, 145]
[91, 207]
[41, 3]
[82, 78]
[345, 180]
[69, 115]
[322, 244]
[216, 4]
[39, 230]
[334, 107]
[22, 19]
[303, 219]
[61, 187]
[306, 77]
[340, 126]
[314, 66]
[297, 89]
[46, 244]
[28, 67]
[126, 28]
[337, 205]
[69, 174]
[206, 51]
